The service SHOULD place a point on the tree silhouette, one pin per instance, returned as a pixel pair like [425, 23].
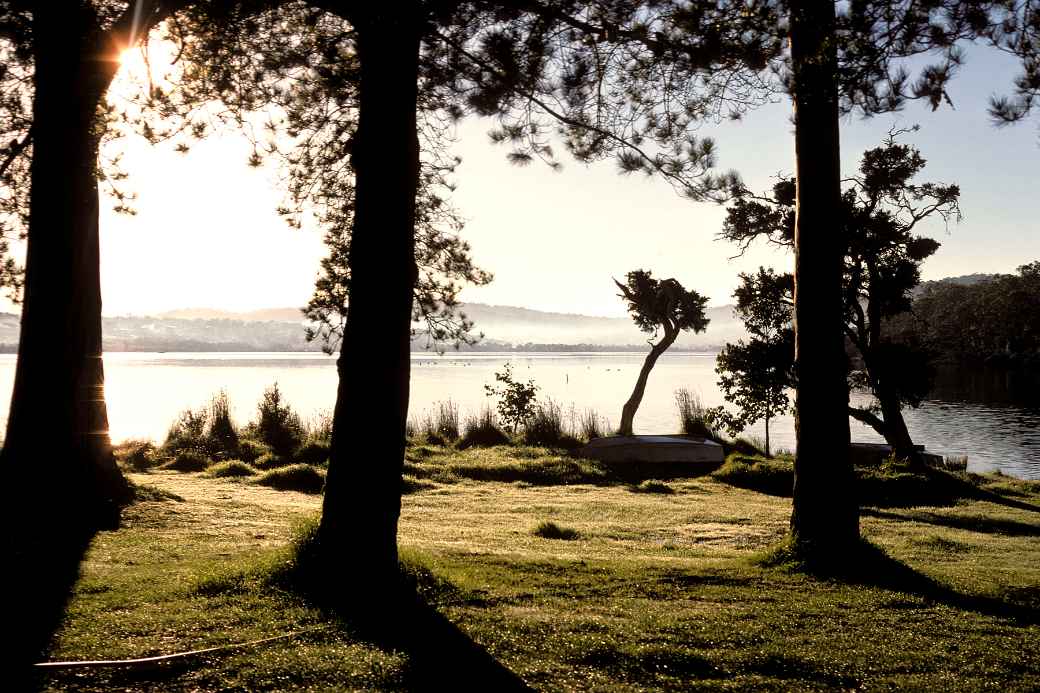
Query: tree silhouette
[57, 69]
[756, 374]
[658, 307]
[880, 211]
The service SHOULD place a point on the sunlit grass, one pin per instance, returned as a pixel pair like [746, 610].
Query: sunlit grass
[652, 590]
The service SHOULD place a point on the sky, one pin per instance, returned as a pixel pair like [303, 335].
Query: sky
[206, 233]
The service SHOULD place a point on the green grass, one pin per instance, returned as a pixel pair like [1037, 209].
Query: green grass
[693, 590]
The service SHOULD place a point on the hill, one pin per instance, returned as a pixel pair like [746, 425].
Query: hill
[505, 328]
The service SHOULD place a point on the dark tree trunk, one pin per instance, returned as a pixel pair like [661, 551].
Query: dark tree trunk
[628, 412]
[896, 433]
[363, 488]
[825, 515]
[57, 443]
[767, 435]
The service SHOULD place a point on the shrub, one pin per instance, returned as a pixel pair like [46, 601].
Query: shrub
[270, 460]
[296, 477]
[693, 416]
[221, 434]
[551, 530]
[188, 461]
[251, 450]
[314, 453]
[482, 431]
[230, 468]
[137, 455]
[188, 433]
[774, 477]
[516, 401]
[277, 425]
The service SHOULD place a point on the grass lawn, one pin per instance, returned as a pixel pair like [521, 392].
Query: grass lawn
[645, 587]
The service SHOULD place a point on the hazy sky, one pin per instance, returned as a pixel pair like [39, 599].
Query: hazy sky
[206, 234]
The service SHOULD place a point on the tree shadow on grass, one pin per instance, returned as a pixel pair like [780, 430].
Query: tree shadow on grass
[972, 523]
[40, 572]
[868, 565]
[397, 614]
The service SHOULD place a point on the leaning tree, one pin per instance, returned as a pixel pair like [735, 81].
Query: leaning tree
[663, 309]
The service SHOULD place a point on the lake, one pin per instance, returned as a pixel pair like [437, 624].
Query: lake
[146, 392]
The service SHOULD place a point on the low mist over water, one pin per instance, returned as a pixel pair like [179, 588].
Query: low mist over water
[147, 391]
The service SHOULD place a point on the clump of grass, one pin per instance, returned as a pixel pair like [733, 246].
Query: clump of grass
[446, 420]
[319, 428]
[591, 425]
[551, 530]
[537, 466]
[693, 419]
[955, 463]
[410, 484]
[545, 427]
[137, 455]
[231, 469]
[296, 477]
[147, 492]
[774, 477]
[653, 486]
[941, 544]
[188, 461]
[483, 431]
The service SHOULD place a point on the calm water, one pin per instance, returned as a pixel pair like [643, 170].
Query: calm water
[146, 392]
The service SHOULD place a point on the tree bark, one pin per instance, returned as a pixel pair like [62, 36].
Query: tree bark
[825, 516]
[57, 445]
[896, 433]
[767, 435]
[362, 500]
[628, 412]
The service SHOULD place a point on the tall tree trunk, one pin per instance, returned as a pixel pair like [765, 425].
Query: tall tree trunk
[825, 514]
[363, 488]
[57, 443]
[628, 412]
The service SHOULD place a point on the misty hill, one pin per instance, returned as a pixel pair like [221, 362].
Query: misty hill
[282, 329]
[522, 325]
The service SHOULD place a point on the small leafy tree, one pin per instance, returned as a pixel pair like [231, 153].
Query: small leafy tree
[658, 307]
[516, 400]
[276, 423]
[755, 375]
